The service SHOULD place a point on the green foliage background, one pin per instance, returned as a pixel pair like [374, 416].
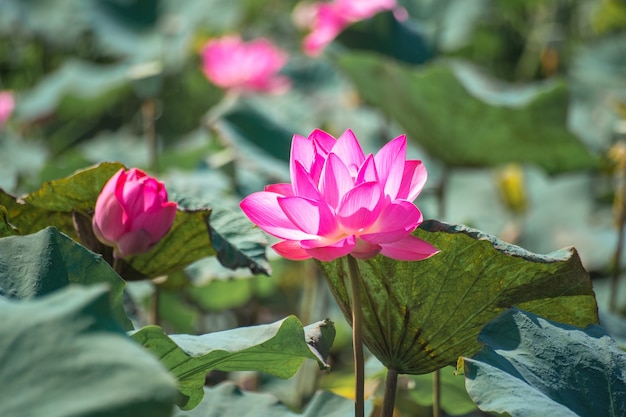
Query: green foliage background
[476, 85]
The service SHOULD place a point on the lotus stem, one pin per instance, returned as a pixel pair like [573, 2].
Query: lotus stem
[437, 393]
[148, 115]
[617, 257]
[391, 385]
[357, 338]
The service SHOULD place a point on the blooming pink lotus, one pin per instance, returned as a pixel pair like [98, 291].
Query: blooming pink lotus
[132, 213]
[327, 20]
[342, 201]
[7, 104]
[230, 63]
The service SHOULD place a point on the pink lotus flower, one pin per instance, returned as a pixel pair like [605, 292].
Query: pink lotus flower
[342, 201]
[7, 104]
[327, 20]
[132, 213]
[230, 63]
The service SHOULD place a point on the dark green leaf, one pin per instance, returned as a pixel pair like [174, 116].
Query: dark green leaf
[278, 349]
[386, 35]
[65, 355]
[531, 366]
[27, 219]
[229, 400]
[244, 123]
[438, 111]
[76, 192]
[187, 241]
[39, 264]
[236, 249]
[6, 228]
[421, 316]
[82, 81]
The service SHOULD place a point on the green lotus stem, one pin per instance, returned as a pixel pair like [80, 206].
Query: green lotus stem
[617, 256]
[148, 115]
[117, 266]
[357, 338]
[437, 393]
[391, 385]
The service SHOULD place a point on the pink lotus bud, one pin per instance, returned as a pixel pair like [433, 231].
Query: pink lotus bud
[132, 213]
[7, 104]
[341, 201]
[329, 19]
[230, 63]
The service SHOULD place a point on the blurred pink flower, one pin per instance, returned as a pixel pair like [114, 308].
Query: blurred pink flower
[230, 63]
[7, 104]
[132, 213]
[329, 19]
[341, 201]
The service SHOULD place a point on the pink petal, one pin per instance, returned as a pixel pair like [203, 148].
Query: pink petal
[395, 221]
[329, 252]
[109, 189]
[108, 219]
[7, 105]
[323, 141]
[311, 216]
[348, 149]
[360, 207]
[156, 221]
[368, 171]
[303, 184]
[390, 162]
[409, 248]
[262, 209]
[291, 250]
[365, 250]
[336, 180]
[413, 180]
[363, 9]
[228, 62]
[327, 25]
[133, 243]
[302, 151]
[284, 189]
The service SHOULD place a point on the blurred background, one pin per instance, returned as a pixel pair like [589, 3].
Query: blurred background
[517, 108]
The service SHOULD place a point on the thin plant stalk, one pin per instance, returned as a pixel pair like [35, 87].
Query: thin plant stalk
[437, 393]
[154, 306]
[617, 257]
[391, 386]
[148, 115]
[441, 197]
[357, 338]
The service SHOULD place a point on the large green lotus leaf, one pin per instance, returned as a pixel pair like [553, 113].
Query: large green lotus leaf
[65, 355]
[38, 264]
[435, 106]
[53, 204]
[229, 400]
[244, 123]
[534, 367]
[68, 205]
[6, 229]
[82, 80]
[421, 316]
[26, 219]
[76, 192]
[386, 35]
[278, 349]
[234, 248]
